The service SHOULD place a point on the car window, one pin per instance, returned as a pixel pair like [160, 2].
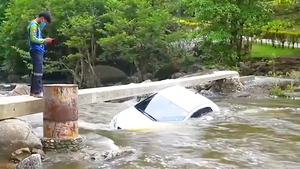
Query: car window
[161, 109]
[201, 112]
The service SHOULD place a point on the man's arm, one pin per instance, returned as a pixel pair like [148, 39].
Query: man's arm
[33, 35]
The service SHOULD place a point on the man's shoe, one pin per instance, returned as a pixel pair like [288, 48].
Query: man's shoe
[40, 95]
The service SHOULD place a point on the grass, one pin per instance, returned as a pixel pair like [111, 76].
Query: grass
[267, 51]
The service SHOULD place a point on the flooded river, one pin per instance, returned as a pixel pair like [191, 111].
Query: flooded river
[246, 133]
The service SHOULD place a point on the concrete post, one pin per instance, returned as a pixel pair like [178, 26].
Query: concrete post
[61, 118]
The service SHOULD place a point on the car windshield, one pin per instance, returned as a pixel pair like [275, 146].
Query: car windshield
[158, 108]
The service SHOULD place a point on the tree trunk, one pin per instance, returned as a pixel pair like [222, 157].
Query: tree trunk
[282, 44]
[93, 51]
[76, 75]
[96, 81]
[239, 47]
[139, 71]
[81, 83]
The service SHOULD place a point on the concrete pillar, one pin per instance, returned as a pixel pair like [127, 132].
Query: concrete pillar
[60, 118]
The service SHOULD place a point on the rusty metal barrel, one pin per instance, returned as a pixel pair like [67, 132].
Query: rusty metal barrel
[60, 118]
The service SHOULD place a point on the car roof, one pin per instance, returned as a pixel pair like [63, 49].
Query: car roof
[183, 97]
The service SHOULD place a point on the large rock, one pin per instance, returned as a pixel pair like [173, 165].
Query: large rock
[113, 154]
[20, 90]
[167, 71]
[13, 78]
[105, 74]
[196, 67]
[227, 86]
[17, 140]
[32, 162]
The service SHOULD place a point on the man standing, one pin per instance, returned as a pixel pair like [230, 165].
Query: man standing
[37, 50]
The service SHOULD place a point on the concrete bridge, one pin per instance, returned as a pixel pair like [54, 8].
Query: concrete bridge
[16, 106]
[61, 101]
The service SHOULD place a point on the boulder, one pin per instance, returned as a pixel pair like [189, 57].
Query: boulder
[147, 76]
[20, 90]
[227, 86]
[17, 140]
[13, 78]
[292, 94]
[109, 74]
[167, 71]
[178, 75]
[196, 67]
[113, 154]
[207, 93]
[241, 94]
[297, 89]
[32, 162]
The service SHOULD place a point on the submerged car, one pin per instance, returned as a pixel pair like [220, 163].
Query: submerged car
[173, 104]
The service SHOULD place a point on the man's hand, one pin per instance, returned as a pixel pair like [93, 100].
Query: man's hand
[49, 40]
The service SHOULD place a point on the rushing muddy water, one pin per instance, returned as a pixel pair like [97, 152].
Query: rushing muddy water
[246, 133]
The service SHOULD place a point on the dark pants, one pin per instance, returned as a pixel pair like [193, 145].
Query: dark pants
[37, 59]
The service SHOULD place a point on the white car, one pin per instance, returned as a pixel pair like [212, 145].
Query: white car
[172, 104]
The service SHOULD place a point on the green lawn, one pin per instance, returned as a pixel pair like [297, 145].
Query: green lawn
[267, 51]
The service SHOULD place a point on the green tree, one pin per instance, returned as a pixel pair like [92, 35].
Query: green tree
[229, 21]
[74, 25]
[3, 6]
[80, 30]
[89, 31]
[13, 33]
[139, 32]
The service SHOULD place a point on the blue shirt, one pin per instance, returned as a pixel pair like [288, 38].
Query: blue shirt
[36, 41]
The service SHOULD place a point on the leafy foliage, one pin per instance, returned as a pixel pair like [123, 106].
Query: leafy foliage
[149, 34]
[88, 31]
[228, 21]
[138, 31]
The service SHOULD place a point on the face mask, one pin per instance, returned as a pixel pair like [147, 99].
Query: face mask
[42, 24]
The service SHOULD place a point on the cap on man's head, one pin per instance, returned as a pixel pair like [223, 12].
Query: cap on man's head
[46, 16]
